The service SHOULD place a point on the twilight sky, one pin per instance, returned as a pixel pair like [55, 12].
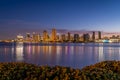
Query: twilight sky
[21, 16]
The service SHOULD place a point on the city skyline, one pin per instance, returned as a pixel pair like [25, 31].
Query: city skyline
[60, 32]
[46, 37]
[63, 37]
[23, 16]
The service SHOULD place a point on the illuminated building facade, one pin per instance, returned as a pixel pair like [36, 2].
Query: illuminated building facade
[93, 36]
[28, 37]
[53, 35]
[45, 36]
[63, 37]
[86, 37]
[76, 37]
[56, 37]
[69, 37]
[20, 38]
[99, 35]
[35, 37]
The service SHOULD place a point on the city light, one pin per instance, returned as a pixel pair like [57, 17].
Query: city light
[45, 37]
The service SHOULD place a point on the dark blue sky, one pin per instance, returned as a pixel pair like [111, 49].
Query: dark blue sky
[21, 16]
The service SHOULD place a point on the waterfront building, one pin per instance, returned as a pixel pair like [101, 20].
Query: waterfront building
[28, 38]
[20, 38]
[86, 37]
[118, 36]
[99, 40]
[81, 39]
[35, 37]
[69, 37]
[99, 35]
[27, 35]
[58, 38]
[106, 37]
[53, 35]
[76, 37]
[93, 36]
[45, 36]
[114, 38]
[63, 38]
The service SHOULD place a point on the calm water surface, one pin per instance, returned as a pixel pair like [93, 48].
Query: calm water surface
[76, 55]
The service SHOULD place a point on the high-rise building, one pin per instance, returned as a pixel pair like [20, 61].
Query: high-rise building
[36, 37]
[99, 35]
[53, 35]
[69, 37]
[76, 37]
[93, 36]
[27, 35]
[118, 36]
[45, 36]
[63, 37]
[86, 37]
[19, 38]
[58, 38]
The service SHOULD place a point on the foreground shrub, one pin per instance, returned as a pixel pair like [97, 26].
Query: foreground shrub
[107, 70]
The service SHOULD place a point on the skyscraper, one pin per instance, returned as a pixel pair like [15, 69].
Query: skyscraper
[86, 37]
[63, 38]
[69, 37]
[20, 38]
[33, 37]
[99, 35]
[58, 38]
[53, 35]
[28, 37]
[36, 37]
[45, 36]
[76, 37]
[93, 36]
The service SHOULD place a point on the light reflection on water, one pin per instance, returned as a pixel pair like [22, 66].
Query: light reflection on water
[68, 54]
[19, 52]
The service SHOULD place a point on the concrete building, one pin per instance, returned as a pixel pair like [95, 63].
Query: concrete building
[36, 37]
[69, 37]
[63, 37]
[53, 35]
[20, 38]
[58, 38]
[99, 35]
[45, 36]
[76, 37]
[93, 36]
[28, 37]
[86, 37]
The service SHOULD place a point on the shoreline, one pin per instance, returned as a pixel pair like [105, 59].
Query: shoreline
[55, 42]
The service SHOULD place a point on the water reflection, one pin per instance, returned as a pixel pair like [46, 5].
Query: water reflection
[67, 55]
[73, 55]
[100, 54]
[19, 52]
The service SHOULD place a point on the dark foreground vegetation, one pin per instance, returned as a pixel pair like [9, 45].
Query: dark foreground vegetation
[107, 70]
